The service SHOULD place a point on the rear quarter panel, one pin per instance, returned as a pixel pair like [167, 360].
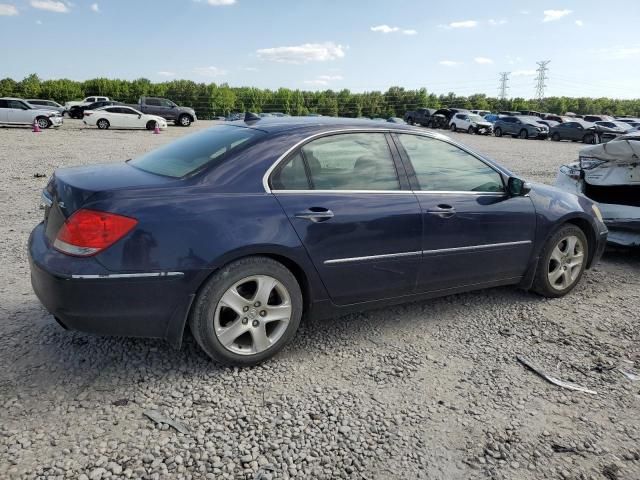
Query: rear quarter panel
[194, 229]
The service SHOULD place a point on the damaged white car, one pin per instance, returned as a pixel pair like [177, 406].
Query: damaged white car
[609, 173]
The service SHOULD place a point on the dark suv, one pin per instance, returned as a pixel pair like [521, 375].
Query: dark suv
[522, 127]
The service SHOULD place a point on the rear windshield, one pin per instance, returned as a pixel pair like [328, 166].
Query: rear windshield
[191, 153]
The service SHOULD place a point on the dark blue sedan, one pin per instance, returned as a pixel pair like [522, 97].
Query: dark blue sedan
[240, 229]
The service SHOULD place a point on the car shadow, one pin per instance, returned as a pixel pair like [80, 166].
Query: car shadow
[75, 362]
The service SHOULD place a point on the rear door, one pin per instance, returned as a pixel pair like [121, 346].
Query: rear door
[4, 111]
[474, 233]
[349, 201]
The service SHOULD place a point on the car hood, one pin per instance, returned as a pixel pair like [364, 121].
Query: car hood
[45, 111]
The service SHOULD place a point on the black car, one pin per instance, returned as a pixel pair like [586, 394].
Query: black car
[77, 111]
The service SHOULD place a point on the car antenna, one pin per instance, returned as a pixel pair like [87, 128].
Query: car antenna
[251, 117]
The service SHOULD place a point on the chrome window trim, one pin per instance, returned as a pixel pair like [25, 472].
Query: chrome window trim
[265, 177]
[128, 275]
[371, 257]
[387, 192]
[335, 261]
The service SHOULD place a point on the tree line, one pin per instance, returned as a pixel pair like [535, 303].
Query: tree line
[212, 100]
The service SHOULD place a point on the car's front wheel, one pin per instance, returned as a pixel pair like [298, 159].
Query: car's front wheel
[43, 122]
[523, 134]
[247, 311]
[184, 120]
[498, 132]
[562, 262]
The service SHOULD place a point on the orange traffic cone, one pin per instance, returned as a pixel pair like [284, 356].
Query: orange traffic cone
[156, 130]
[36, 127]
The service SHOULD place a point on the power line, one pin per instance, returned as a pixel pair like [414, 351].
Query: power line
[540, 79]
[502, 89]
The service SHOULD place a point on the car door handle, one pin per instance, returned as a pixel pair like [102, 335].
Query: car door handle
[315, 214]
[442, 211]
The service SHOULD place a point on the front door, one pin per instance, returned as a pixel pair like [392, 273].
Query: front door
[355, 215]
[474, 232]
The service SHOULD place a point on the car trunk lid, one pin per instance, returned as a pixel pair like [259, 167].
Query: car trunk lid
[71, 188]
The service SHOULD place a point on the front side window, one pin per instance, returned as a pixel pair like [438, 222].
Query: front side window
[352, 161]
[441, 166]
[193, 152]
[18, 105]
[152, 102]
[166, 103]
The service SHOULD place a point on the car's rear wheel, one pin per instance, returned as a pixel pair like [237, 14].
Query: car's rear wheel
[43, 122]
[498, 132]
[562, 262]
[184, 120]
[103, 124]
[523, 134]
[453, 127]
[247, 311]
[555, 137]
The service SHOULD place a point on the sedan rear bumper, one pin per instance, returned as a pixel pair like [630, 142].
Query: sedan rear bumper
[152, 305]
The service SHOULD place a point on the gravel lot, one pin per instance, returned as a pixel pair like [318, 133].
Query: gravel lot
[429, 390]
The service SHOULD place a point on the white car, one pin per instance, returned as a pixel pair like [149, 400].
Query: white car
[122, 117]
[86, 101]
[15, 111]
[609, 173]
[470, 123]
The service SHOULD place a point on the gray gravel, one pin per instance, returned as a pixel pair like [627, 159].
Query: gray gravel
[426, 390]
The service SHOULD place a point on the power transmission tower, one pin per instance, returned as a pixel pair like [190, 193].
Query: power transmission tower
[502, 89]
[540, 79]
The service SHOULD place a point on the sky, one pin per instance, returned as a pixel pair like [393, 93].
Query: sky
[361, 45]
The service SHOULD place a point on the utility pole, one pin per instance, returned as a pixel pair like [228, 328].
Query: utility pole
[540, 79]
[502, 89]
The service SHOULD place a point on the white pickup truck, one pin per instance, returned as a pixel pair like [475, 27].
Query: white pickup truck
[15, 111]
[86, 101]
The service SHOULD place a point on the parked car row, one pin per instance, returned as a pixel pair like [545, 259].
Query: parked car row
[525, 124]
[16, 111]
[148, 113]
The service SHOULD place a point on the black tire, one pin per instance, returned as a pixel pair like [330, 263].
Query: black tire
[555, 137]
[410, 121]
[103, 124]
[184, 120]
[201, 317]
[523, 134]
[541, 283]
[75, 113]
[498, 132]
[151, 124]
[43, 122]
[589, 138]
[453, 127]
[471, 130]
[429, 124]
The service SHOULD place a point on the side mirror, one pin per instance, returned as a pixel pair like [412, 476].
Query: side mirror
[139, 115]
[518, 187]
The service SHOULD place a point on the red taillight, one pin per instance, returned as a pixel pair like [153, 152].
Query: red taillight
[87, 232]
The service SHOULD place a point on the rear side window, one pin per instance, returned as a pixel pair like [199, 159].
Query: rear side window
[292, 175]
[440, 166]
[350, 161]
[193, 152]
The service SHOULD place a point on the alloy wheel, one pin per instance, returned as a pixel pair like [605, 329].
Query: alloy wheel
[252, 315]
[43, 123]
[565, 263]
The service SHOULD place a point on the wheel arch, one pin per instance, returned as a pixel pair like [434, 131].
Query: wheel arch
[583, 224]
[178, 324]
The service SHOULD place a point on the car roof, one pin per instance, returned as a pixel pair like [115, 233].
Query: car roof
[320, 124]
[12, 98]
